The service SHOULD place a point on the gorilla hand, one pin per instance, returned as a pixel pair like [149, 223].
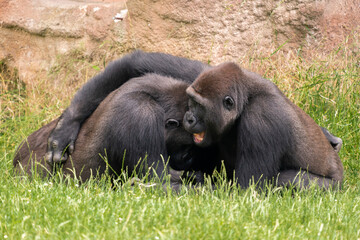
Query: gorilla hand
[61, 141]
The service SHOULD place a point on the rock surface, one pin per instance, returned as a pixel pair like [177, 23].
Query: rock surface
[216, 31]
[35, 32]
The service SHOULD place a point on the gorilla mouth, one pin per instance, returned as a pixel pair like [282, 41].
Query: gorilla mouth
[199, 137]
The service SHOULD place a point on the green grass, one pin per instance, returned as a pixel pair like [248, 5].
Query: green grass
[327, 88]
[58, 211]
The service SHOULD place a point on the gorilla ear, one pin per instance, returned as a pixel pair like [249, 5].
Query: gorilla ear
[229, 102]
[172, 123]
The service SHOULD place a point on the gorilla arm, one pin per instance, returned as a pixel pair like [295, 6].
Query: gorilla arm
[134, 131]
[268, 148]
[62, 139]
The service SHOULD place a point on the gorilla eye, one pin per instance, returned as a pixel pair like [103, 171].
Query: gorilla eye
[172, 123]
[228, 102]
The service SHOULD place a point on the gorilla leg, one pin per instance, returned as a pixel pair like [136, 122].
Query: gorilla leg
[335, 141]
[303, 179]
[29, 157]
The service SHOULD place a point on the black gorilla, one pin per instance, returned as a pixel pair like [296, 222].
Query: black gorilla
[259, 132]
[139, 63]
[96, 89]
[142, 119]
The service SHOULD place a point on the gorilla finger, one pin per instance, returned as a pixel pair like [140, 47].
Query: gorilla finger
[64, 158]
[49, 144]
[57, 157]
[134, 181]
[71, 147]
[54, 144]
[49, 158]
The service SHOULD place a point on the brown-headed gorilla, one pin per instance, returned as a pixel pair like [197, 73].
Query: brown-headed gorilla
[260, 134]
[142, 119]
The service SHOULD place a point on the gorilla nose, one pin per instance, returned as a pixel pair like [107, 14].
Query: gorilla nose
[190, 119]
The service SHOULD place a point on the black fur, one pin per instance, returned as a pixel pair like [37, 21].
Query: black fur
[96, 89]
[143, 118]
[139, 63]
[260, 134]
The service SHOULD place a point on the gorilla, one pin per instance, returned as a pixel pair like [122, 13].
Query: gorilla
[260, 134]
[88, 98]
[140, 120]
[138, 63]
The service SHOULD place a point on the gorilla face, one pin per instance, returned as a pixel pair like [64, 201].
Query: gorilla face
[214, 105]
[195, 122]
[179, 144]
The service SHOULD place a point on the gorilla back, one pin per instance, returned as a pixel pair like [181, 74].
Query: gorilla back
[140, 120]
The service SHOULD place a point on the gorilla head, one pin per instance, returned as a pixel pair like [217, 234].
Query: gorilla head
[214, 103]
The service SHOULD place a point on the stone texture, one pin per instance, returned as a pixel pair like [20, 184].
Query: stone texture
[339, 20]
[34, 32]
[217, 31]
